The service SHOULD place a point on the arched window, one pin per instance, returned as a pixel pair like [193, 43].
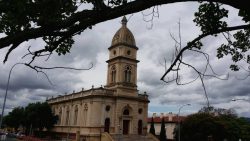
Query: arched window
[59, 117]
[67, 116]
[85, 111]
[76, 115]
[113, 74]
[127, 73]
[126, 112]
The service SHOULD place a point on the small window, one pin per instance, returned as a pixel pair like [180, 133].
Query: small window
[67, 117]
[59, 117]
[114, 52]
[126, 112]
[140, 110]
[127, 73]
[107, 108]
[128, 52]
[76, 115]
[113, 74]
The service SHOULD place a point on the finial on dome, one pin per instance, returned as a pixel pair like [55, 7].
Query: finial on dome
[124, 20]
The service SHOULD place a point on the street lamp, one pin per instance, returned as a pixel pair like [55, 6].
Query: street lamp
[6, 92]
[179, 127]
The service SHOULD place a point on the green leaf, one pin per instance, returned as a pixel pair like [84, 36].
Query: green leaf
[234, 67]
[209, 17]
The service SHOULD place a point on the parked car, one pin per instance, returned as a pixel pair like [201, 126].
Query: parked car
[11, 135]
[20, 135]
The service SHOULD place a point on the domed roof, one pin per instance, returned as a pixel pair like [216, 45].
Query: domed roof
[123, 35]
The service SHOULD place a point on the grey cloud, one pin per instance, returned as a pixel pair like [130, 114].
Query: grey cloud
[27, 86]
[150, 77]
[230, 88]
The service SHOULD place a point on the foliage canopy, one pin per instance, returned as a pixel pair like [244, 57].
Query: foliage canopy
[219, 126]
[15, 118]
[35, 115]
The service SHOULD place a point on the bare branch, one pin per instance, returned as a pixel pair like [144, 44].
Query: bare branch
[153, 14]
[190, 44]
[38, 70]
[50, 68]
[179, 51]
[179, 24]
[214, 74]
[48, 56]
[201, 76]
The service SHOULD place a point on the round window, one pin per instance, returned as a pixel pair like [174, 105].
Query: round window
[107, 108]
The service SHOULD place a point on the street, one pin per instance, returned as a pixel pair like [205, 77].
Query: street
[11, 139]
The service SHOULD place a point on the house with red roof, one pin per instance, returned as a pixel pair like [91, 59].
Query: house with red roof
[171, 122]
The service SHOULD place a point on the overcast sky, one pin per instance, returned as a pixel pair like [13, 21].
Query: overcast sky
[154, 45]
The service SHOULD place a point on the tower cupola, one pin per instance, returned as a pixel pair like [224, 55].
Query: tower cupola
[123, 35]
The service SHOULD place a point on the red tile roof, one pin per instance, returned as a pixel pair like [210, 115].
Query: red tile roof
[166, 119]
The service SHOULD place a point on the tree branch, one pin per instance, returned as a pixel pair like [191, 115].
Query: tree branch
[190, 44]
[49, 68]
[9, 51]
[201, 76]
[89, 18]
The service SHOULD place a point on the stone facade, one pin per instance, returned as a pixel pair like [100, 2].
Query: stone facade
[117, 108]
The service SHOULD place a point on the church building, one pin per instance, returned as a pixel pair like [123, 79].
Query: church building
[107, 113]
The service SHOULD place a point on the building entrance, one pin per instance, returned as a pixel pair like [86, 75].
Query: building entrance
[125, 127]
[140, 127]
[107, 124]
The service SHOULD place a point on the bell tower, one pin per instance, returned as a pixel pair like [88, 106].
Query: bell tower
[122, 63]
